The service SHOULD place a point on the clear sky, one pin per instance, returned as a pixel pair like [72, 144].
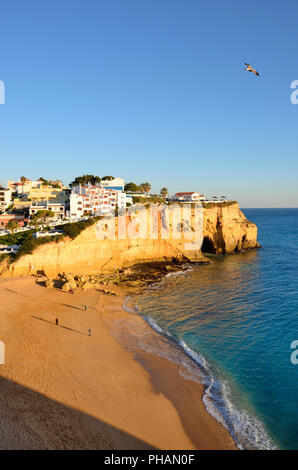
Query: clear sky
[153, 90]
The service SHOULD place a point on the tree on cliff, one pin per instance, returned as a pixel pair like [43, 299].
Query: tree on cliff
[145, 187]
[164, 192]
[85, 179]
[35, 221]
[108, 178]
[41, 217]
[12, 225]
[132, 188]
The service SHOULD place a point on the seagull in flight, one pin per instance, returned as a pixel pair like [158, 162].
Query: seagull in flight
[249, 68]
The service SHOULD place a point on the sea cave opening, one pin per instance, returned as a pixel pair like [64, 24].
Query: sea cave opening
[208, 246]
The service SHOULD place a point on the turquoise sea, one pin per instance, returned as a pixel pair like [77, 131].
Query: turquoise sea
[233, 322]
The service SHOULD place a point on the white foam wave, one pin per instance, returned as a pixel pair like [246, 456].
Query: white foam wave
[127, 308]
[247, 431]
[176, 274]
[155, 326]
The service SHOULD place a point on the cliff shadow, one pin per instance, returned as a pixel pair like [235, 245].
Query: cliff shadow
[31, 421]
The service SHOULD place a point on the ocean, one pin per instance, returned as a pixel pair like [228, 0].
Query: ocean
[231, 324]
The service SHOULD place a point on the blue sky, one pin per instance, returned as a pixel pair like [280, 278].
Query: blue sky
[153, 90]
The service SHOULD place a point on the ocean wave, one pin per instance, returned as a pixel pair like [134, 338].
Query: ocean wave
[127, 308]
[247, 431]
[155, 326]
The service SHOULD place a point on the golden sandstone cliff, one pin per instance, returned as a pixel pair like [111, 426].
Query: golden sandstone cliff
[225, 230]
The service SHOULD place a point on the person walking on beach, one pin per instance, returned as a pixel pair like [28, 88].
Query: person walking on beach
[85, 308]
[57, 321]
[89, 331]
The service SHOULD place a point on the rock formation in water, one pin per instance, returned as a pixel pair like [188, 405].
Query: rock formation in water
[227, 230]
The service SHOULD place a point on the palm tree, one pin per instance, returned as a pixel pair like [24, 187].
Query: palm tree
[145, 187]
[164, 192]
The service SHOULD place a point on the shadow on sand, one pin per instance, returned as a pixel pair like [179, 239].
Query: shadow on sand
[30, 420]
[59, 326]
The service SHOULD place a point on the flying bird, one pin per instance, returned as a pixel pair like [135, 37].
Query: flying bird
[249, 68]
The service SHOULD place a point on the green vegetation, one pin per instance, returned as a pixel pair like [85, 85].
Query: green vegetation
[164, 192]
[53, 184]
[12, 225]
[41, 217]
[141, 188]
[137, 199]
[108, 178]
[154, 199]
[208, 205]
[85, 179]
[4, 256]
[72, 230]
[16, 238]
[132, 188]
[146, 187]
[31, 244]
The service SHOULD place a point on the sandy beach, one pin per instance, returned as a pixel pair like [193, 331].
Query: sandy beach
[64, 389]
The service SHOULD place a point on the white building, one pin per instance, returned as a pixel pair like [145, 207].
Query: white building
[5, 198]
[9, 249]
[50, 233]
[117, 184]
[188, 197]
[95, 200]
[25, 186]
[57, 208]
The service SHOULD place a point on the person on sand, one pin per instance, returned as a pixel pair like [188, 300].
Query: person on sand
[89, 331]
[57, 321]
[85, 308]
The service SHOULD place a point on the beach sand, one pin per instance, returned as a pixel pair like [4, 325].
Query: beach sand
[62, 389]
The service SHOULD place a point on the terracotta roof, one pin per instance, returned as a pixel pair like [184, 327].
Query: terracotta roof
[183, 194]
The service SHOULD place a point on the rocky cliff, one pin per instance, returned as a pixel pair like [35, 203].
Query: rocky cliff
[225, 230]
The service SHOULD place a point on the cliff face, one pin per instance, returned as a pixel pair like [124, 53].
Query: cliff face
[226, 230]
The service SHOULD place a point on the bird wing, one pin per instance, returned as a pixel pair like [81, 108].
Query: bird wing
[249, 68]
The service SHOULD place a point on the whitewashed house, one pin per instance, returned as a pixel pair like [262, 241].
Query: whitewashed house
[116, 183]
[5, 198]
[57, 208]
[24, 187]
[188, 197]
[95, 200]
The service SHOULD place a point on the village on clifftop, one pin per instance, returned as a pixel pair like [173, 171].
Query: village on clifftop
[27, 204]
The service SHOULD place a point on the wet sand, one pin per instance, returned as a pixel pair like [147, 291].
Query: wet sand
[62, 389]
